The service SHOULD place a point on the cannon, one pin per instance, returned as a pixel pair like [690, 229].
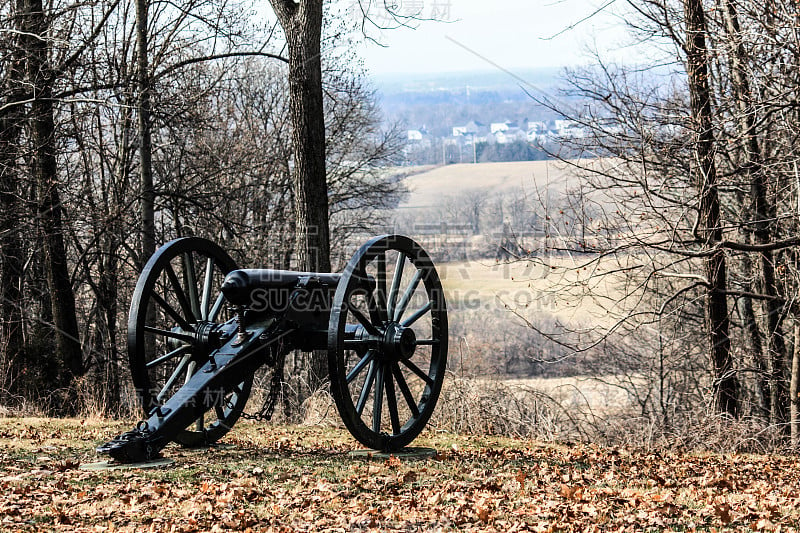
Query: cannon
[199, 328]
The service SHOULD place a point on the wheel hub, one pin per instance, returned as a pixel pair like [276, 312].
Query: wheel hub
[398, 342]
[206, 336]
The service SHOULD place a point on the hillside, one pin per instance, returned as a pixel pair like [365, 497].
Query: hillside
[427, 188]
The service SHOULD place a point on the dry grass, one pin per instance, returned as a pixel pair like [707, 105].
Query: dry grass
[555, 286]
[545, 409]
[427, 188]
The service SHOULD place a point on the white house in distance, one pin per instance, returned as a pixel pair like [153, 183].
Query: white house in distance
[420, 134]
[508, 132]
[495, 127]
[468, 129]
[568, 128]
[510, 135]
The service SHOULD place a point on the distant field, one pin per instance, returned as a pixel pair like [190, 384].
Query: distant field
[429, 186]
[555, 286]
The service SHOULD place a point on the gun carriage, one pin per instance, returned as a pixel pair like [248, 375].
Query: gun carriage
[199, 328]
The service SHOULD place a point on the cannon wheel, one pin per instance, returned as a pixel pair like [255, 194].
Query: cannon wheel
[387, 342]
[176, 295]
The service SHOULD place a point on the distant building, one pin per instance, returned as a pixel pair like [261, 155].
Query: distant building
[569, 128]
[495, 127]
[470, 128]
[419, 136]
[537, 127]
[415, 135]
[510, 135]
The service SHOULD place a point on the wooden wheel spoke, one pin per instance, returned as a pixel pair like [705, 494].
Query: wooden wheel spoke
[208, 280]
[395, 288]
[171, 381]
[167, 357]
[179, 293]
[417, 315]
[377, 399]
[171, 311]
[220, 410]
[380, 287]
[401, 307]
[371, 329]
[362, 398]
[427, 342]
[391, 402]
[375, 314]
[415, 369]
[190, 277]
[403, 386]
[360, 366]
[190, 372]
[355, 343]
[214, 311]
[185, 337]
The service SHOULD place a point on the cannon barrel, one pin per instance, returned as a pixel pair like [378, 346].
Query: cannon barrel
[239, 284]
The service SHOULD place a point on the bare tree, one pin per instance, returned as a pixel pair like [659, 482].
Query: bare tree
[709, 227]
[302, 26]
[147, 202]
[12, 94]
[701, 187]
[40, 74]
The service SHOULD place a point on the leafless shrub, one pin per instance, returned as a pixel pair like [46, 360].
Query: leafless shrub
[484, 406]
[721, 434]
[704, 431]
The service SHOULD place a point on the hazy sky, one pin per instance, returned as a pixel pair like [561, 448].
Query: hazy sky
[511, 33]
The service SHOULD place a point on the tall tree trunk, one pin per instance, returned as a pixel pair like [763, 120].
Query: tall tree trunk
[762, 211]
[11, 260]
[726, 386]
[794, 389]
[302, 24]
[755, 347]
[45, 173]
[143, 107]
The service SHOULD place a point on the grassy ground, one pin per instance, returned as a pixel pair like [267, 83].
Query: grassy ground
[302, 479]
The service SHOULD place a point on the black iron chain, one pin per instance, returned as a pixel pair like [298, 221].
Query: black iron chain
[275, 388]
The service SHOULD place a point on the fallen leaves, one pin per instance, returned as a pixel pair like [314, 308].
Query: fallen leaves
[723, 511]
[571, 493]
[65, 465]
[302, 479]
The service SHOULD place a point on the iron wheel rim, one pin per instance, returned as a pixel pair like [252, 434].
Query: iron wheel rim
[407, 386]
[159, 360]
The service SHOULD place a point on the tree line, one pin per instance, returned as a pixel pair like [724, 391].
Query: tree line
[126, 124]
[700, 199]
